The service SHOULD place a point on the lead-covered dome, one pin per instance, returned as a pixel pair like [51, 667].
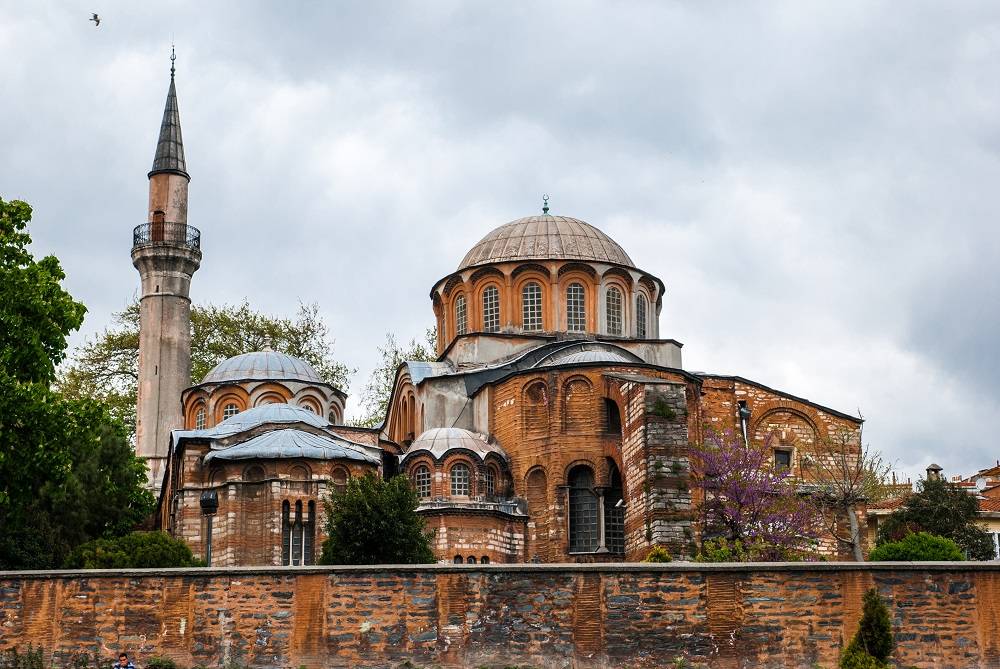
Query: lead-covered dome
[546, 238]
[263, 365]
[439, 441]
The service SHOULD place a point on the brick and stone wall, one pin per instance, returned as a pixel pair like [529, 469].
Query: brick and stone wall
[546, 616]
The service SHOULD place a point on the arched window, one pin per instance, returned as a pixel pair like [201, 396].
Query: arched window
[484, 560]
[298, 532]
[459, 476]
[254, 474]
[614, 511]
[490, 481]
[583, 520]
[531, 307]
[340, 476]
[297, 544]
[199, 419]
[491, 309]
[461, 316]
[613, 304]
[535, 410]
[576, 308]
[459, 559]
[286, 533]
[308, 407]
[230, 410]
[640, 317]
[612, 417]
[471, 559]
[422, 482]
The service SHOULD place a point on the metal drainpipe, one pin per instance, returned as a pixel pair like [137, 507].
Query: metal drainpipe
[744, 420]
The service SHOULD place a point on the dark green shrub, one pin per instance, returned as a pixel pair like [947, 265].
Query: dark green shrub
[135, 550]
[918, 546]
[161, 663]
[29, 659]
[872, 645]
[658, 554]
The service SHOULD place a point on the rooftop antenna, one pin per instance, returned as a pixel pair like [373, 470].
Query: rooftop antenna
[545, 203]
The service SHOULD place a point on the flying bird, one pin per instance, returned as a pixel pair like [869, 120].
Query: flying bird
[96, 19]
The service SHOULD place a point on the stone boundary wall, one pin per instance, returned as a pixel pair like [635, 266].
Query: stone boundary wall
[545, 616]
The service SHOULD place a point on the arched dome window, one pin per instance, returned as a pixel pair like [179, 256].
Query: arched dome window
[422, 482]
[531, 307]
[491, 309]
[459, 476]
[461, 316]
[640, 317]
[230, 410]
[576, 309]
[583, 521]
[613, 305]
[199, 419]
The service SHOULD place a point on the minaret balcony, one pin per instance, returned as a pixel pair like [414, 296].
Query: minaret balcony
[166, 234]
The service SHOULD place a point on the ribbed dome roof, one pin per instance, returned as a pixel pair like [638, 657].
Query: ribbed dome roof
[440, 440]
[546, 238]
[263, 365]
[269, 413]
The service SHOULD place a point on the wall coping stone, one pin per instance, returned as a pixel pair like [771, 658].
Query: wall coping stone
[610, 568]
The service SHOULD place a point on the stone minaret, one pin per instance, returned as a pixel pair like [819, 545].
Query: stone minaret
[167, 253]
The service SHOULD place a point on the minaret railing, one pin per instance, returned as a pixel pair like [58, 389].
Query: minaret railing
[166, 234]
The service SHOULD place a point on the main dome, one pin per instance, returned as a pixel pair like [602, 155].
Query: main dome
[546, 238]
[262, 366]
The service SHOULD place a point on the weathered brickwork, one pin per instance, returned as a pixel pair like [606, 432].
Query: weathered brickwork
[546, 616]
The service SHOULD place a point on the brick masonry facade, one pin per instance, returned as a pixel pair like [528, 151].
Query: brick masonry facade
[545, 616]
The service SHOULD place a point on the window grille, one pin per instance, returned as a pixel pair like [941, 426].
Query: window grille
[531, 307]
[230, 411]
[199, 420]
[491, 481]
[640, 317]
[422, 482]
[461, 317]
[576, 309]
[491, 309]
[613, 299]
[583, 520]
[460, 480]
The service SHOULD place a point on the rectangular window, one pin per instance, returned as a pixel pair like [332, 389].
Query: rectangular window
[613, 299]
[461, 317]
[576, 308]
[640, 317]
[782, 459]
[531, 307]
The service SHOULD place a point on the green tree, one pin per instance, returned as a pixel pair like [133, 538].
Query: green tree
[941, 508]
[138, 550]
[873, 643]
[378, 390]
[107, 366]
[918, 546]
[67, 474]
[374, 521]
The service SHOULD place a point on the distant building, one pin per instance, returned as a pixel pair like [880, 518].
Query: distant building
[554, 425]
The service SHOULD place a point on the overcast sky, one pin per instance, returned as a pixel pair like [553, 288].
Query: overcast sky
[816, 183]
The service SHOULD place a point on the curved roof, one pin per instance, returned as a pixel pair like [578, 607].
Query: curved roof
[440, 440]
[292, 443]
[268, 413]
[579, 357]
[263, 365]
[546, 238]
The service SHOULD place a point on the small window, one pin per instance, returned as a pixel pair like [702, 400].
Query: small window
[459, 559]
[613, 416]
[613, 304]
[461, 316]
[491, 309]
[583, 519]
[471, 559]
[531, 307]
[782, 458]
[230, 411]
[254, 474]
[340, 476]
[199, 419]
[576, 308]
[640, 317]
[422, 482]
[484, 560]
[308, 407]
[460, 480]
[491, 481]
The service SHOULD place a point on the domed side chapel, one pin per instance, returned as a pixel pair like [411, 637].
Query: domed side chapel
[554, 426]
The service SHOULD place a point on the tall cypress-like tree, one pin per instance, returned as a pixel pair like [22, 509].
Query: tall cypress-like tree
[374, 521]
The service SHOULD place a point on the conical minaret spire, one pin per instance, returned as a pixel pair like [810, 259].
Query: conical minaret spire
[169, 156]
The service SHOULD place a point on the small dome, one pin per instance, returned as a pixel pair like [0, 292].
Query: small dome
[546, 238]
[268, 413]
[580, 357]
[438, 441]
[263, 366]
